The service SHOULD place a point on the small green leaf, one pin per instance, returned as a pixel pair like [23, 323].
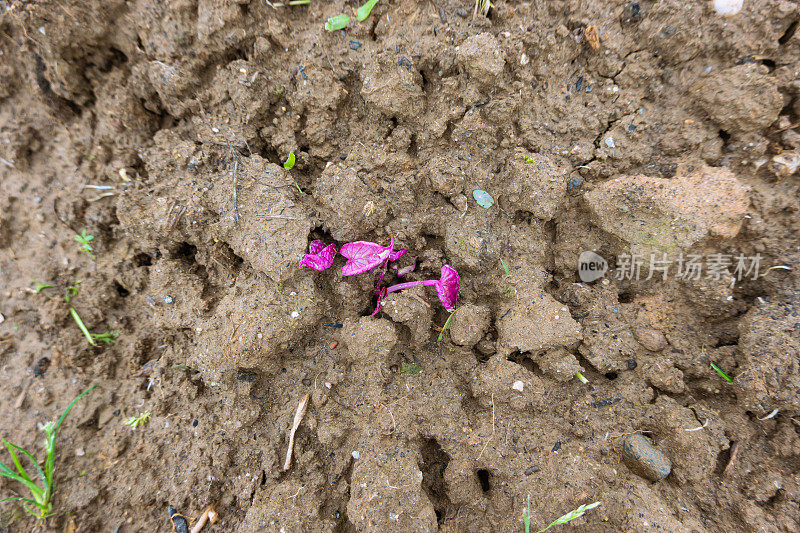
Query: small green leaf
[410, 368]
[503, 264]
[725, 376]
[445, 327]
[339, 22]
[289, 163]
[39, 286]
[483, 198]
[363, 12]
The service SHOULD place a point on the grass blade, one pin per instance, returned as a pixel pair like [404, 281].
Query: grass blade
[31, 458]
[51, 439]
[7, 472]
[78, 321]
[725, 376]
[363, 12]
[22, 472]
[445, 327]
[19, 499]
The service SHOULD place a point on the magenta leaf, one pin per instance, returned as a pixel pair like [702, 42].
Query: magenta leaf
[448, 286]
[319, 256]
[364, 255]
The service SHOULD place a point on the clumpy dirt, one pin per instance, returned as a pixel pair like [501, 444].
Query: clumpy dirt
[161, 127]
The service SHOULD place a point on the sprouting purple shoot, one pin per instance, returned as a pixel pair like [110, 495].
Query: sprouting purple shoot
[446, 287]
[406, 270]
[319, 256]
[363, 256]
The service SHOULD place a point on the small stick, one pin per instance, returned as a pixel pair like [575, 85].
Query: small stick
[208, 514]
[298, 417]
[734, 451]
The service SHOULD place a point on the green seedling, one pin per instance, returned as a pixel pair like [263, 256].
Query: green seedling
[526, 515]
[446, 326]
[363, 12]
[39, 286]
[72, 290]
[725, 376]
[136, 421]
[109, 337]
[581, 378]
[40, 503]
[85, 239]
[572, 515]
[289, 163]
[339, 22]
[528, 159]
[410, 369]
[503, 264]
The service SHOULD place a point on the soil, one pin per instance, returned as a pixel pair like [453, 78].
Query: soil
[619, 127]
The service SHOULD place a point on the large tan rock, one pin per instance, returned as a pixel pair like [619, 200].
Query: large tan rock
[670, 214]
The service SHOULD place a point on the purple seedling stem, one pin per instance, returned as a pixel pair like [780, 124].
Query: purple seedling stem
[446, 287]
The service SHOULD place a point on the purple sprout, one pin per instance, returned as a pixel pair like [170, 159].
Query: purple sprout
[319, 256]
[446, 287]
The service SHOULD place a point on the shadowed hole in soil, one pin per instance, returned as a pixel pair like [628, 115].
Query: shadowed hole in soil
[625, 297]
[723, 459]
[433, 464]
[789, 33]
[142, 259]
[526, 362]
[611, 375]
[484, 479]
[122, 291]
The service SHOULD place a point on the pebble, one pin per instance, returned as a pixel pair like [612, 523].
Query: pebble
[650, 338]
[80, 452]
[461, 12]
[295, 314]
[644, 458]
[355, 454]
[168, 299]
[728, 7]
[574, 182]
[483, 198]
[2, 318]
[610, 142]
[333, 345]
[531, 470]
[518, 385]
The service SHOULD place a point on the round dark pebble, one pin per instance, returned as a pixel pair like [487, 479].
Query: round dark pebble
[194, 424]
[574, 182]
[632, 364]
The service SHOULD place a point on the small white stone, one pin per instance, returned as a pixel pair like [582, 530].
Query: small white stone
[355, 454]
[728, 7]
[295, 314]
[524, 60]
[610, 142]
[80, 452]
[518, 385]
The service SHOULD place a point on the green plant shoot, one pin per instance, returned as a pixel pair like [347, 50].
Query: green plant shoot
[289, 163]
[363, 12]
[72, 290]
[725, 376]
[581, 378]
[503, 264]
[572, 515]
[40, 503]
[39, 286]
[85, 239]
[136, 421]
[339, 22]
[109, 337]
[446, 326]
